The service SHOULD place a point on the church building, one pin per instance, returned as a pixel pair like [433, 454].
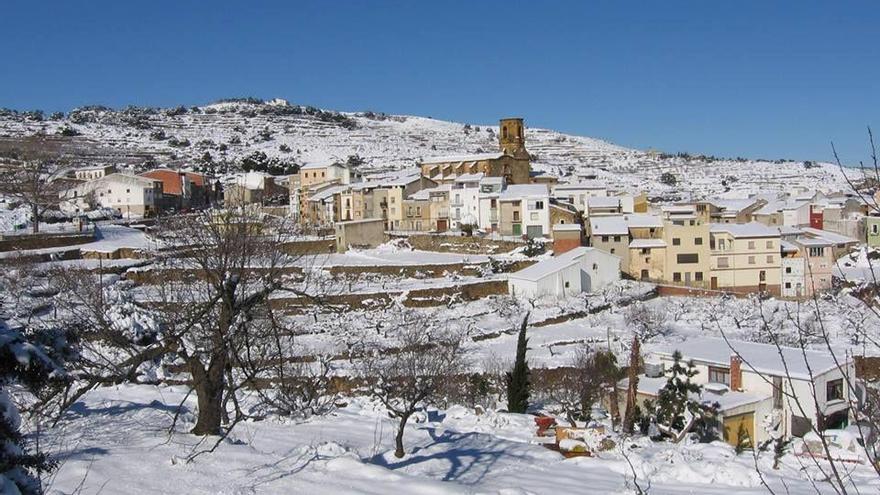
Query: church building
[512, 162]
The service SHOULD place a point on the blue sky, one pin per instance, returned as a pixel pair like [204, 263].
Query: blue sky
[751, 78]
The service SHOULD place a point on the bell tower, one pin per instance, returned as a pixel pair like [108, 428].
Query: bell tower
[511, 137]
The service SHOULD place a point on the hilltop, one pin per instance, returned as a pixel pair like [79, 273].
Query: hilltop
[277, 136]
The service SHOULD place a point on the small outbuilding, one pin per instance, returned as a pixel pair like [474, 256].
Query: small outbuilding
[367, 233]
[582, 269]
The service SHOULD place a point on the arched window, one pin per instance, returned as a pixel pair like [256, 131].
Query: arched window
[520, 131]
[504, 132]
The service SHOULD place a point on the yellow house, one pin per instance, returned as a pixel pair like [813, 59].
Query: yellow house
[686, 235]
[745, 258]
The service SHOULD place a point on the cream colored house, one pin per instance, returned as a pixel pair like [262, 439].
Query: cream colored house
[745, 258]
[686, 235]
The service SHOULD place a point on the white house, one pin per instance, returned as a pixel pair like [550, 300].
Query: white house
[490, 190]
[578, 193]
[533, 201]
[127, 194]
[757, 383]
[582, 269]
[464, 200]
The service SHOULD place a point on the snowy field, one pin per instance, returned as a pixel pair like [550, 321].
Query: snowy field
[117, 440]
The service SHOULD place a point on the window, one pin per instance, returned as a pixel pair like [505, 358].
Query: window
[128, 190]
[604, 238]
[646, 250]
[817, 251]
[723, 262]
[769, 244]
[875, 229]
[788, 285]
[698, 276]
[751, 260]
[418, 211]
[534, 215]
[617, 238]
[722, 244]
[676, 277]
[751, 244]
[698, 241]
[566, 284]
[688, 258]
[676, 241]
[536, 205]
[719, 375]
[769, 258]
[788, 269]
[834, 390]
[612, 250]
[595, 266]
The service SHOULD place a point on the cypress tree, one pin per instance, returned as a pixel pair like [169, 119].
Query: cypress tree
[518, 379]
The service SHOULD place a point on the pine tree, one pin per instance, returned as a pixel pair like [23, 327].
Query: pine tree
[31, 359]
[673, 400]
[518, 379]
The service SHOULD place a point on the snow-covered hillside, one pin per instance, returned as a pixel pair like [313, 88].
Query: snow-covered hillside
[230, 131]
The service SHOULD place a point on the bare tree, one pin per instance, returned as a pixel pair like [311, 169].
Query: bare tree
[426, 359]
[205, 303]
[30, 176]
[579, 385]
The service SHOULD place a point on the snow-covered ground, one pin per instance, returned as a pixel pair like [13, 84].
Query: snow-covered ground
[117, 440]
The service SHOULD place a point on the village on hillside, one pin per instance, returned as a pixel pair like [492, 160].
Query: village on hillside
[556, 326]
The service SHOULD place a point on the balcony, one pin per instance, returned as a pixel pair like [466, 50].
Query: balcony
[493, 215]
[456, 203]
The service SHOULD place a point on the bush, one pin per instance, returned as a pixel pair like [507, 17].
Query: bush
[533, 248]
[68, 131]
[668, 178]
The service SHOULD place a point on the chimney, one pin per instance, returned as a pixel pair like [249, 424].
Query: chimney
[736, 376]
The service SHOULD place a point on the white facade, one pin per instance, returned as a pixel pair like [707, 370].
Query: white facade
[464, 200]
[582, 269]
[761, 371]
[535, 207]
[793, 276]
[127, 194]
[796, 214]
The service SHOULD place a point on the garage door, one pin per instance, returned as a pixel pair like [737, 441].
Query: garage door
[534, 231]
[740, 429]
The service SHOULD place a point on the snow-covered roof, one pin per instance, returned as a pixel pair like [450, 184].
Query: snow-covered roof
[732, 205]
[603, 201]
[492, 180]
[612, 225]
[550, 266]
[642, 221]
[829, 236]
[577, 186]
[327, 193]
[463, 158]
[567, 227]
[317, 165]
[518, 191]
[647, 243]
[727, 399]
[760, 358]
[788, 247]
[678, 209]
[751, 229]
[469, 177]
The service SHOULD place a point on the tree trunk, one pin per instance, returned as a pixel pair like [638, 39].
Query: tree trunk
[35, 212]
[209, 386]
[615, 404]
[633, 376]
[398, 440]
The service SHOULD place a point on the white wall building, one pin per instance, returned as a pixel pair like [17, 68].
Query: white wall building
[577, 193]
[464, 200]
[535, 207]
[581, 269]
[127, 194]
